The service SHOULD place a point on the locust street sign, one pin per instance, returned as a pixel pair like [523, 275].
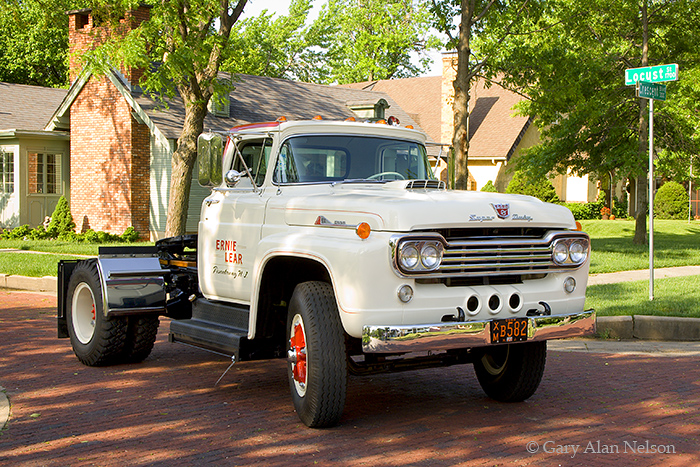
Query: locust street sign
[651, 91]
[651, 74]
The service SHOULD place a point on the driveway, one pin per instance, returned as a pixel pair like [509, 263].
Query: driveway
[592, 408]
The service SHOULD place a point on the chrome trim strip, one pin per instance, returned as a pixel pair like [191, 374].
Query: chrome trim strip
[444, 336]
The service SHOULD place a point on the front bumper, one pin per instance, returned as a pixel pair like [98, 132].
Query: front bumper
[453, 335]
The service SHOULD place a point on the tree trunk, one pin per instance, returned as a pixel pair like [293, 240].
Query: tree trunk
[460, 106]
[183, 162]
[643, 195]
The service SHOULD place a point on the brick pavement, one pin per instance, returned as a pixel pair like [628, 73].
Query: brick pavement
[167, 411]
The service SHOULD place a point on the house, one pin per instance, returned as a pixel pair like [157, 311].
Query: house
[33, 161]
[121, 140]
[497, 135]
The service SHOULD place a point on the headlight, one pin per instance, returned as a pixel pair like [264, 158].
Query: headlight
[419, 255]
[408, 257]
[570, 251]
[560, 253]
[578, 252]
[431, 255]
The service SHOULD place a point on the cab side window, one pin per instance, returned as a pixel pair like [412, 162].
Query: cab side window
[256, 155]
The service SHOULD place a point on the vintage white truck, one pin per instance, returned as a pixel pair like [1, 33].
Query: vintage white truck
[332, 245]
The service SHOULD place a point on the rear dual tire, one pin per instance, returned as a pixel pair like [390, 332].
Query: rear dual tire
[97, 340]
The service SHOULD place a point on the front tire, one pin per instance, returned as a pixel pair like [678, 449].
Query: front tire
[317, 368]
[512, 372]
[96, 340]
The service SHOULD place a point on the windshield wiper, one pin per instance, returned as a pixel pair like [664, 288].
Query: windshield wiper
[359, 180]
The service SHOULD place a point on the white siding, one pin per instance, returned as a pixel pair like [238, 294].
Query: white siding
[161, 170]
[9, 202]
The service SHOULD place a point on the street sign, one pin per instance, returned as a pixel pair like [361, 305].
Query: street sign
[651, 91]
[651, 74]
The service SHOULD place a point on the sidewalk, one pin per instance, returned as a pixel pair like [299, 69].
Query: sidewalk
[642, 274]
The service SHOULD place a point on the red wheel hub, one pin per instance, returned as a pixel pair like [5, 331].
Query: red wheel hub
[298, 346]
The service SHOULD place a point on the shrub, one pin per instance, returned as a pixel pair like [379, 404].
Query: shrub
[130, 235]
[541, 188]
[17, 233]
[619, 209]
[489, 187]
[61, 219]
[671, 201]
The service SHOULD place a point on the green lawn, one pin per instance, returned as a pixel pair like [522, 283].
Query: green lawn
[676, 243]
[674, 296]
[39, 265]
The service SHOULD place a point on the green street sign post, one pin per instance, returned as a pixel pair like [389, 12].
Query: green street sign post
[651, 74]
[651, 91]
[645, 79]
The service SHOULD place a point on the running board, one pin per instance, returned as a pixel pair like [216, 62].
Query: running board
[216, 327]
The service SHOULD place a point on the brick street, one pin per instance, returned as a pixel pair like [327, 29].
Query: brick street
[167, 410]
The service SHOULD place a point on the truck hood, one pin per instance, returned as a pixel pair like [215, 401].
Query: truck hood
[395, 206]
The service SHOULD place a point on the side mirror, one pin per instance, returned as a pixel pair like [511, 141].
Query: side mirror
[210, 151]
[233, 177]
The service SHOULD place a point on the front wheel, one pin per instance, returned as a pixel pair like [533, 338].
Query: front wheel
[95, 339]
[512, 372]
[317, 368]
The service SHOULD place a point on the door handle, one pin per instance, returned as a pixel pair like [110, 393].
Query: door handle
[211, 201]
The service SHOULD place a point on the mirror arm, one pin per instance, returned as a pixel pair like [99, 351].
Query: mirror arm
[245, 166]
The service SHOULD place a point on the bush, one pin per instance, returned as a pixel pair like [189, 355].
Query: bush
[61, 219]
[489, 187]
[130, 235]
[620, 206]
[541, 188]
[671, 201]
[585, 211]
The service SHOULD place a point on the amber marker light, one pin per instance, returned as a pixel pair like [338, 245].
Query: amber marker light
[578, 226]
[282, 119]
[317, 117]
[363, 230]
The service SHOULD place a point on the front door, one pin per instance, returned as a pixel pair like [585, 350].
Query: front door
[44, 187]
[230, 229]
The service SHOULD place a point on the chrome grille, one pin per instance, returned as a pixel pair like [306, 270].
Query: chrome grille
[491, 256]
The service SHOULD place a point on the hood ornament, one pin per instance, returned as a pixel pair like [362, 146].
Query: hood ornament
[502, 210]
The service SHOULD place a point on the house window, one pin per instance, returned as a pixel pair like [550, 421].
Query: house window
[7, 172]
[44, 173]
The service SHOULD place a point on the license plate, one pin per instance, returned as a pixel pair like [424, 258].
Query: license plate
[508, 330]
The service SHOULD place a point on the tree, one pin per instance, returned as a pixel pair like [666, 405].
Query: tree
[34, 42]
[188, 42]
[497, 19]
[571, 66]
[373, 39]
[280, 47]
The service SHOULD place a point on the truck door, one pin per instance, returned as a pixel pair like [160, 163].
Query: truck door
[230, 227]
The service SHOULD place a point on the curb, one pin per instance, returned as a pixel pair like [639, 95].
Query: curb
[658, 328]
[33, 284]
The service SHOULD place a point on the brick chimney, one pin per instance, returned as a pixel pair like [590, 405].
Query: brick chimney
[86, 31]
[110, 149]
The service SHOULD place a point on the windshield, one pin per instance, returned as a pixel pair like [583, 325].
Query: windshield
[333, 158]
